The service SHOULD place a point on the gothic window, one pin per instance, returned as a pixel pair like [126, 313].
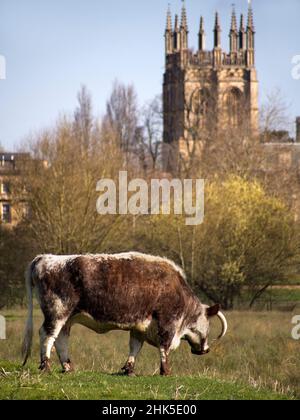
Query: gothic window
[5, 188]
[233, 107]
[201, 103]
[6, 213]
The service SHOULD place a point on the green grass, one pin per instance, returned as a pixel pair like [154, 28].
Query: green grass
[284, 298]
[285, 295]
[256, 360]
[27, 384]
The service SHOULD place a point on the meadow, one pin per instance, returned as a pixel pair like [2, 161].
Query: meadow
[257, 360]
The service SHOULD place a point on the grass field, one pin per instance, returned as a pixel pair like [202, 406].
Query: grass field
[257, 360]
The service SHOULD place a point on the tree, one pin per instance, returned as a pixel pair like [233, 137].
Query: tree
[149, 142]
[122, 115]
[60, 182]
[249, 241]
[16, 249]
[274, 116]
[84, 121]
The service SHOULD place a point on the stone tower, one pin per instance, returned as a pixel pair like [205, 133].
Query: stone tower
[209, 89]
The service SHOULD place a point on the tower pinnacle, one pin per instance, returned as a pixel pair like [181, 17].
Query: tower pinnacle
[184, 28]
[242, 34]
[184, 24]
[250, 37]
[168, 33]
[201, 35]
[233, 35]
[233, 20]
[176, 35]
[169, 19]
[217, 32]
[176, 25]
[242, 24]
[250, 16]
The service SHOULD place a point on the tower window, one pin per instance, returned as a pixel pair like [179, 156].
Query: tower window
[6, 213]
[5, 188]
[234, 108]
[203, 108]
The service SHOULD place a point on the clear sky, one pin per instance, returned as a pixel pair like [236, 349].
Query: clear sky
[53, 46]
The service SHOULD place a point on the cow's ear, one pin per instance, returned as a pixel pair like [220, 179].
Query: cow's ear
[213, 310]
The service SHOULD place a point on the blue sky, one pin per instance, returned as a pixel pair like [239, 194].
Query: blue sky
[53, 46]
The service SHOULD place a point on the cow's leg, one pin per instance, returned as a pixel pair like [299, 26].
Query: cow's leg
[135, 345]
[62, 349]
[48, 334]
[166, 336]
[164, 362]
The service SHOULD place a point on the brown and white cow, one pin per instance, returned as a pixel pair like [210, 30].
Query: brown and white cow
[146, 295]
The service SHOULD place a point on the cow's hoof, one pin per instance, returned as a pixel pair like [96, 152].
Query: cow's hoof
[68, 367]
[165, 369]
[130, 374]
[45, 367]
[128, 370]
[165, 372]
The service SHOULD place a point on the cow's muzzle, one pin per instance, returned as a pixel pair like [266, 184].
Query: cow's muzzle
[200, 352]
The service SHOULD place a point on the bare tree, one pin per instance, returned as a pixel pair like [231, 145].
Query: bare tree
[274, 116]
[150, 134]
[60, 182]
[122, 115]
[83, 120]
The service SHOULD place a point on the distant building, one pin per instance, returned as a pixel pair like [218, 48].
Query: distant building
[209, 87]
[10, 164]
[204, 90]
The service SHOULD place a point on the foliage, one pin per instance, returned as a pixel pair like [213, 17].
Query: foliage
[248, 239]
[15, 252]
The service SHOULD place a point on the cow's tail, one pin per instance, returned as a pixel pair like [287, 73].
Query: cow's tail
[28, 335]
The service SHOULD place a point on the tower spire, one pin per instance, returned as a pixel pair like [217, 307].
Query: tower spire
[233, 20]
[168, 33]
[217, 32]
[250, 37]
[176, 25]
[184, 28]
[201, 35]
[242, 24]
[233, 35]
[184, 24]
[176, 35]
[169, 19]
[250, 16]
[242, 34]
[217, 52]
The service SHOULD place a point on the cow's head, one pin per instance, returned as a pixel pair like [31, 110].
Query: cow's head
[197, 334]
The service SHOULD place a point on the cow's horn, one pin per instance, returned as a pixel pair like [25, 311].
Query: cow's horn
[224, 324]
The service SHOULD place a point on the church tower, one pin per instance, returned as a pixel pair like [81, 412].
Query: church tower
[208, 90]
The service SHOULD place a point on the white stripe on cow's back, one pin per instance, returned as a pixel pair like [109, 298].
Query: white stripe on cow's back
[49, 262]
[54, 262]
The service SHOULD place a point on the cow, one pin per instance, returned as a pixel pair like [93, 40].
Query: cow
[146, 295]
